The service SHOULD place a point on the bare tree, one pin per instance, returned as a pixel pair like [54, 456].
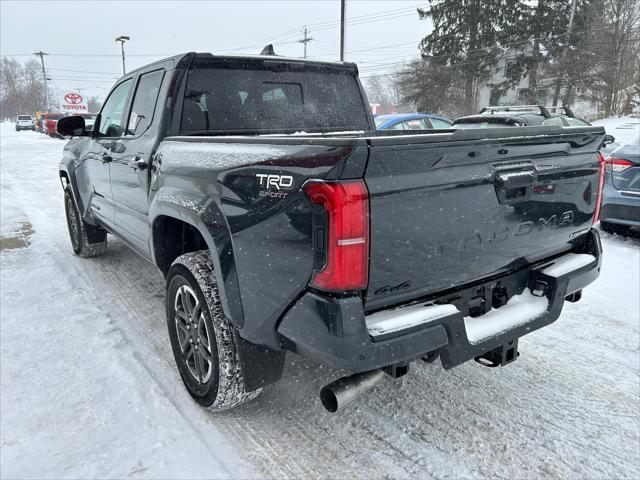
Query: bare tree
[383, 89]
[620, 52]
[21, 88]
[9, 87]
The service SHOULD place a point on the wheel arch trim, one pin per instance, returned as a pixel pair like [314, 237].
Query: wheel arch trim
[202, 213]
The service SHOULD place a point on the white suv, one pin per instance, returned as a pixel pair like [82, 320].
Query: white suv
[25, 122]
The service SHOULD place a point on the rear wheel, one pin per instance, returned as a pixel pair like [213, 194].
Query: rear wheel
[202, 338]
[614, 228]
[86, 240]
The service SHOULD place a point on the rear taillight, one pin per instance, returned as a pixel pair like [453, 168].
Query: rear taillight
[346, 237]
[596, 214]
[617, 165]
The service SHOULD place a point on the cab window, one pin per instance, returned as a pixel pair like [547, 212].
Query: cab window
[144, 102]
[112, 114]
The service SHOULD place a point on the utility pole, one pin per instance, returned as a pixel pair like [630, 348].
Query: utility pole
[305, 40]
[342, 13]
[556, 93]
[122, 39]
[41, 54]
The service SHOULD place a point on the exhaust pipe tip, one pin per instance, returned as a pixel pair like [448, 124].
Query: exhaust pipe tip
[345, 390]
[328, 399]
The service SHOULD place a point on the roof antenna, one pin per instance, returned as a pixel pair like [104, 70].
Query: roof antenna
[268, 50]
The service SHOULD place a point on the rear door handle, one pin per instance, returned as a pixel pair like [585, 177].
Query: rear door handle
[106, 158]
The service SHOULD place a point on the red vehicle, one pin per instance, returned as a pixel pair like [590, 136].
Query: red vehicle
[50, 120]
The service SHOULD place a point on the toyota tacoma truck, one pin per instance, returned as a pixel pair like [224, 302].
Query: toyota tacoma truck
[284, 222]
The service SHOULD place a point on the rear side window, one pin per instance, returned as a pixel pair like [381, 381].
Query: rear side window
[144, 102]
[576, 122]
[238, 100]
[553, 121]
[437, 123]
[379, 121]
[415, 124]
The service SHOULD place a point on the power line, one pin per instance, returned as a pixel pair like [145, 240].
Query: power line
[372, 20]
[364, 18]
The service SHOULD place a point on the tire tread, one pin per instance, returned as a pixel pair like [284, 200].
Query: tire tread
[86, 248]
[231, 390]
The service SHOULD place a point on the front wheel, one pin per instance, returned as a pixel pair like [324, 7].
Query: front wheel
[202, 338]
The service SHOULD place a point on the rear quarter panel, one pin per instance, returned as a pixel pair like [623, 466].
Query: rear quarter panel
[261, 233]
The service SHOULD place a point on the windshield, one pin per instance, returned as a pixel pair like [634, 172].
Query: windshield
[228, 100]
[24, 117]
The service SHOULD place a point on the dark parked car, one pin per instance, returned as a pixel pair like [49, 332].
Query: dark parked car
[621, 192]
[412, 121]
[520, 116]
[404, 248]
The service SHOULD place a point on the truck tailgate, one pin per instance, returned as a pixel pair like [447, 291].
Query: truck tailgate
[452, 208]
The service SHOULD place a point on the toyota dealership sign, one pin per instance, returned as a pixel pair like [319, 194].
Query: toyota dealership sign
[73, 102]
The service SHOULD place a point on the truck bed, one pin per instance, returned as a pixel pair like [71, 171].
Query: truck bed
[447, 208]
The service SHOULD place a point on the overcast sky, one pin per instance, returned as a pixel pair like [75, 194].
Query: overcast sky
[80, 36]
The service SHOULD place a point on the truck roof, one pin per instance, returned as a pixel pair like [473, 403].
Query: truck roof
[204, 56]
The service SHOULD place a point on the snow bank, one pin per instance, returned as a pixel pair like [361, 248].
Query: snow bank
[521, 309]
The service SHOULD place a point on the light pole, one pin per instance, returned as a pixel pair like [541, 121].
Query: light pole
[122, 39]
[343, 7]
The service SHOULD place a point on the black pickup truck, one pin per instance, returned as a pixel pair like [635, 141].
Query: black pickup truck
[283, 221]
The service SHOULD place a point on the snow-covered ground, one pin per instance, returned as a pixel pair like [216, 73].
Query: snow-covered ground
[624, 129]
[89, 387]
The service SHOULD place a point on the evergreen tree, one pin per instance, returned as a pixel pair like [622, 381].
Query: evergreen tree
[434, 87]
[550, 42]
[468, 35]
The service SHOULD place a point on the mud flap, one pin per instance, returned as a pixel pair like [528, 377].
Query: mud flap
[260, 366]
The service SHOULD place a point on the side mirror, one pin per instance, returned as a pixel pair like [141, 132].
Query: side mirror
[71, 126]
[608, 139]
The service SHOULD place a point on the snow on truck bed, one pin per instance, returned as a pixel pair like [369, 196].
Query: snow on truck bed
[89, 388]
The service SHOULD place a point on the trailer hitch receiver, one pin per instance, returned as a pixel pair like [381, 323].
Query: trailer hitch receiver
[502, 355]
